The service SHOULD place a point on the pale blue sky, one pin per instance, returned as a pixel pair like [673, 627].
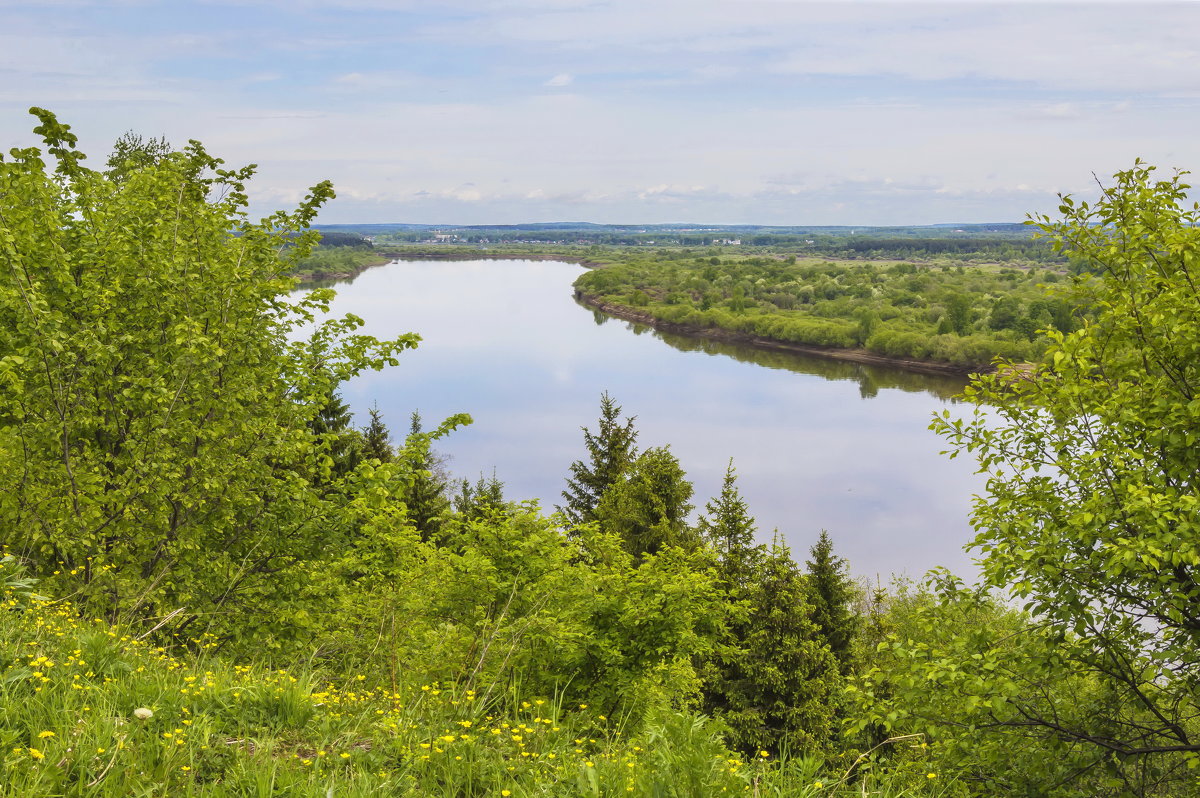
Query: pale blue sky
[716, 111]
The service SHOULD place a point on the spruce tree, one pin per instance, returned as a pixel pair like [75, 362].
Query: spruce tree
[425, 497]
[484, 498]
[775, 681]
[729, 528]
[377, 440]
[649, 508]
[343, 443]
[611, 452]
[833, 595]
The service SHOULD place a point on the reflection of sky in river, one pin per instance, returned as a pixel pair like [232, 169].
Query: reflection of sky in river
[504, 341]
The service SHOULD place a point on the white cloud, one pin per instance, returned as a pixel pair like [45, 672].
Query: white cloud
[695, 110]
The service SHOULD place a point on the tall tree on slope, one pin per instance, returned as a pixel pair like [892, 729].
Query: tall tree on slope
[611, 452]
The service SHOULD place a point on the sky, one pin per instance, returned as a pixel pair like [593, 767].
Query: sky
[775, 112]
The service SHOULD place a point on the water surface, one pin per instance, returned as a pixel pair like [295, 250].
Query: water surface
[818, 444]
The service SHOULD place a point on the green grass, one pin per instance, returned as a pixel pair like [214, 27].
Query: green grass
[87, 709]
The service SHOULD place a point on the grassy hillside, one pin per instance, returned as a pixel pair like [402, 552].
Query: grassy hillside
[92, 709]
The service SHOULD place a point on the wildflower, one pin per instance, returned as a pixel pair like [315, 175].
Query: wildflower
[36, 754]
[143, 713]
[43, 735]
[818, 785]
[763, 754]
[931, 775]
[506, 793]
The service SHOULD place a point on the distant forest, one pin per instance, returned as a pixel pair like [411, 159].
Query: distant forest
[1003, 242]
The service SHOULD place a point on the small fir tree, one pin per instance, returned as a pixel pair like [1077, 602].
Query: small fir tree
[484, 498]
[729, 528]
[377, 440]
[649, 508]
[343, 444]
[611, 452]
[425, 496]
[833, 595]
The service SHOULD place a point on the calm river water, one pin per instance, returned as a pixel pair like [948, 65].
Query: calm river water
[817, 444]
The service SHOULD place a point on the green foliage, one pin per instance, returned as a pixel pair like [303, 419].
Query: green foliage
[154, 418]
[775, 683]
[611, 451]
[833, 595]
[977, 678]
[729, 529]
[377, 439]
[87, 710]
[132, 152]
[648, 508]
[329, 260]
[510, 599]
[343, 443]
[897, 310]
[960, 312]
[1091, 511]
[425, 494]
[483, 499]
[15, 582]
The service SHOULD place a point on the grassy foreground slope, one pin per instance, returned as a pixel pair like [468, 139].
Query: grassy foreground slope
[89, 709]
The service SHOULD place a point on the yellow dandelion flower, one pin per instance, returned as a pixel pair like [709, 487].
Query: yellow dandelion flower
[36, 754]
[44, 734]
[931, 775]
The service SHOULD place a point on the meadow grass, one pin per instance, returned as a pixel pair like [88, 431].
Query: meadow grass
[88, 709]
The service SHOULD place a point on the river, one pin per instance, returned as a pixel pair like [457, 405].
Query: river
[818, 444]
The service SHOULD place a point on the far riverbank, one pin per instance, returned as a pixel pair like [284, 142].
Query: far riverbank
[720, 334]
